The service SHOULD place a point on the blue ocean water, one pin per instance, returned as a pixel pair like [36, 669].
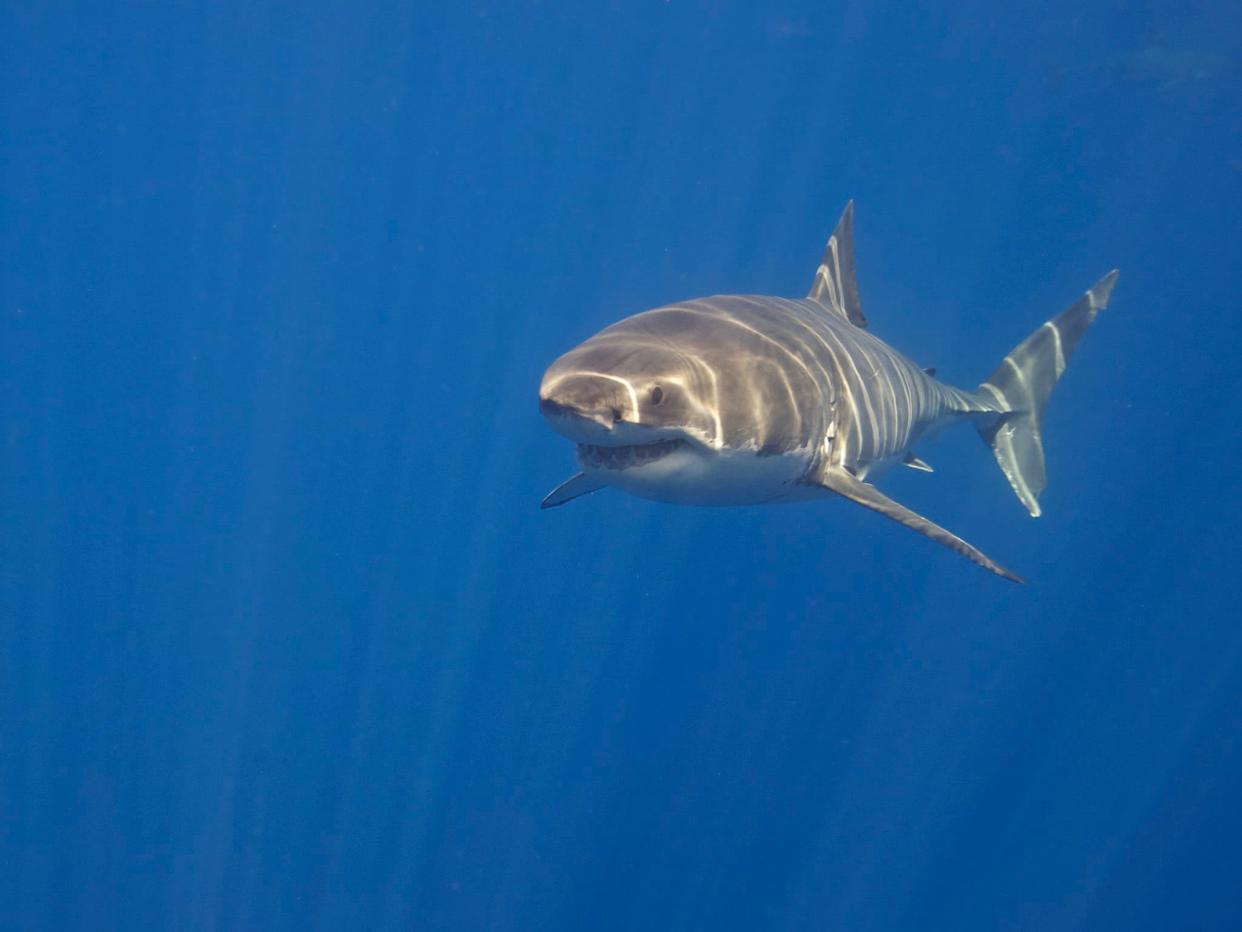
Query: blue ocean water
[285, 641]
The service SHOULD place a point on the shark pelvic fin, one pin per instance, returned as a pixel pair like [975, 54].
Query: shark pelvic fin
[838, 480]
[575, 486]
[915, 463]
[834, 285]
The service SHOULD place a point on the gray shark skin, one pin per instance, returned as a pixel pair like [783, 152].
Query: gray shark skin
[746, 399]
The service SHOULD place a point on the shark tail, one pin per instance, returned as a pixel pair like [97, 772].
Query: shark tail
[1022, 384]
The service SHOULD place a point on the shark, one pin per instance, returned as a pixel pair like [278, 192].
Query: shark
[735, 400]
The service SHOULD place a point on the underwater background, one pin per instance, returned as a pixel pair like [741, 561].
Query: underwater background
[285, 640]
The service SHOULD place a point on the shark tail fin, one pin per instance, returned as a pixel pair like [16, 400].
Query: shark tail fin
[1022, 384]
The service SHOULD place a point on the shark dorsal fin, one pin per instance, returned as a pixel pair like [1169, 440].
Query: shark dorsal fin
[834, 285]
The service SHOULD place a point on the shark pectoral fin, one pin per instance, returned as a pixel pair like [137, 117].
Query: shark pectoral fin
[915, 463]
[839, 481]
[574, 487]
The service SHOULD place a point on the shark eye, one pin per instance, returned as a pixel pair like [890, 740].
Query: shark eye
[657, 394]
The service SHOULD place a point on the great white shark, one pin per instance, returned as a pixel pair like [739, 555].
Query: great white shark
[751, 399]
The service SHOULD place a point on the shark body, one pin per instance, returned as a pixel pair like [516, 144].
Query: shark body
[748, 399]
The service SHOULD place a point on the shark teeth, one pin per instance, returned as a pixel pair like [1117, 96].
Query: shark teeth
[593, 457]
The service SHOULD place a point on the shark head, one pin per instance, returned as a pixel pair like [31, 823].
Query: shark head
[673, 404]
[633, 407]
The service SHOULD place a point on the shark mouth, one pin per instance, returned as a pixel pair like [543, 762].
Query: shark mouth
[593, 457]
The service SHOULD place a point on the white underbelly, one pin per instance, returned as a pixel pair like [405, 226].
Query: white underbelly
[693, 476]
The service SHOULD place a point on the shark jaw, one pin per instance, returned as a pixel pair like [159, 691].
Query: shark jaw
[650, 462]
[608, 458]
[608, 442]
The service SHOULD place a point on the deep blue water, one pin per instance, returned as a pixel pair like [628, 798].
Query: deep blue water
[285, 642]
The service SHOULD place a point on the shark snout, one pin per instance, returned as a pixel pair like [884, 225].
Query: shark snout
[551, 408]
[581, 406]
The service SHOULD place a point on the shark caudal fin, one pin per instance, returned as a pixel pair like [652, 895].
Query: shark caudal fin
[1022, 384]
